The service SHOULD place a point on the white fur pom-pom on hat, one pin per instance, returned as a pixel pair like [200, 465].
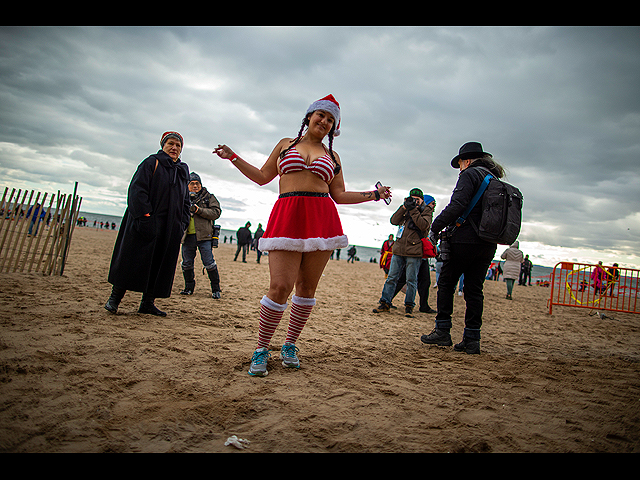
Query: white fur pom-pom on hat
[328, 104]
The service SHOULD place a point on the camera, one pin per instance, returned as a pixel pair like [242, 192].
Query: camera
[192, 199]
[410, 203]
[445, 246]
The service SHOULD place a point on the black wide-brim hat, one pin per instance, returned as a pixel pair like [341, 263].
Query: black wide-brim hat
[469, 150]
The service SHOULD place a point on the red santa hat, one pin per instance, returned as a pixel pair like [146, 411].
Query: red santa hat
[328, 104]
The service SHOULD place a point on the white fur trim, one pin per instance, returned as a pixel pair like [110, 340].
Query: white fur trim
[303, 244]
[302, 301]
[267, 302]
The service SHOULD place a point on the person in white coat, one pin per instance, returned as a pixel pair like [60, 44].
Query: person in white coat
[513, 259]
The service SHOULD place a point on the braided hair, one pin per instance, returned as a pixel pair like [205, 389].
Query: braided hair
[305, 122]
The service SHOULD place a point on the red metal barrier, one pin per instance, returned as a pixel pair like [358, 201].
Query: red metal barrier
[594, 287]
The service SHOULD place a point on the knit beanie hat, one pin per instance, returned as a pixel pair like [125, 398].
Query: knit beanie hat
[194, 177]
[167, 135]
[428, 199]
[328, 104]
[416, 192]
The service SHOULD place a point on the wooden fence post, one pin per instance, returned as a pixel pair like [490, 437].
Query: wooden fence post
[19, 248]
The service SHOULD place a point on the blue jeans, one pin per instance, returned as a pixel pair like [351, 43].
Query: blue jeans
[33, 222]
[189, 253]
[412, 265]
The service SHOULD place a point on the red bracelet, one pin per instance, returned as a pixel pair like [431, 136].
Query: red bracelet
[234, 157]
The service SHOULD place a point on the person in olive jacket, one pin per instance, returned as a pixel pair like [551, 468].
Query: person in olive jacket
[205, 208]
[414, 219]
[148, 242]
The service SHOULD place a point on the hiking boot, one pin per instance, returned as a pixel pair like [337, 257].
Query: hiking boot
[216, 294]
[289, 357]
[437, 337]
[259, 359]
[468, 345]
[383, 307]
[408, 311]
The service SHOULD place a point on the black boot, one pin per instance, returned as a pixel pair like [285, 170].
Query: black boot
[114, 299]
[439, 337]
[147, 306]
[189, 282]
[214, 277]
[468, 345]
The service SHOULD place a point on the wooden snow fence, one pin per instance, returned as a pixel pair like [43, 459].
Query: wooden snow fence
[36, 239]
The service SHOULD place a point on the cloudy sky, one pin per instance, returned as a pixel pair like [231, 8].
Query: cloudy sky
[558, 107]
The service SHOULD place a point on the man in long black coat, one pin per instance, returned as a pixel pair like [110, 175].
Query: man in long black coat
[146, 250]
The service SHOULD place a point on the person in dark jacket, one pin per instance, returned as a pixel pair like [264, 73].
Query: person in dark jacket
[148, 242]
[204, 210]
[525, 271]
[256, 239]
[244, 240]
[468, 255]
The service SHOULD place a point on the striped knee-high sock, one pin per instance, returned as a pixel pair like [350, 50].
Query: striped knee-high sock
[300, 311]
[270, 316]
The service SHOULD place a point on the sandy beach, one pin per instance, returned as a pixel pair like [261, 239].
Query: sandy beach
[74, 378]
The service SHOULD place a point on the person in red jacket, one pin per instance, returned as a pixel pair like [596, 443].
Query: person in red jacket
[386, 252]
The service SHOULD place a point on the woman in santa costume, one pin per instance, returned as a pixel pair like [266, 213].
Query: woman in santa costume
[304, 226]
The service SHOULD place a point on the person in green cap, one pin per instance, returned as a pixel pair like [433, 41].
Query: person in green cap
[413, 219]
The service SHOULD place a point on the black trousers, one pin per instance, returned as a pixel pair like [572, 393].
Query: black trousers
[244, 247]
[472, 260]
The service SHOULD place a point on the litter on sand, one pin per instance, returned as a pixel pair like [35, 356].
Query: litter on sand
[237, 442]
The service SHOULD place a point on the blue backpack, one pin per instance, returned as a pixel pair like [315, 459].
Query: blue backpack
[501, 211]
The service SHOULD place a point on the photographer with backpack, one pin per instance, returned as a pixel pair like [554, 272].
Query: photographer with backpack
[462, 249]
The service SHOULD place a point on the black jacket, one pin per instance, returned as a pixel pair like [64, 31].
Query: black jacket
[146, 250]
[468, 182]
[244, 236]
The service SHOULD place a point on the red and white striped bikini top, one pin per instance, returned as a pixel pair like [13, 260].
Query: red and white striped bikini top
[293, 162]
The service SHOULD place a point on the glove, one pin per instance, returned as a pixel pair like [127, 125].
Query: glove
[433, 237]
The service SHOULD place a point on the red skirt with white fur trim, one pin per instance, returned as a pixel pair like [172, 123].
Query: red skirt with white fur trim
[303, 222]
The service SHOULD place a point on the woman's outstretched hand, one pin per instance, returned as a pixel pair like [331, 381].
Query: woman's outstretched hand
[223, 152]
[385, 192]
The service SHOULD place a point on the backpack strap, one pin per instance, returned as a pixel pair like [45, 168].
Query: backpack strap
[474, 200]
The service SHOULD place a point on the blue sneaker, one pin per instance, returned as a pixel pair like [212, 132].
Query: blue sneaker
[259, 359]
[289, 357]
